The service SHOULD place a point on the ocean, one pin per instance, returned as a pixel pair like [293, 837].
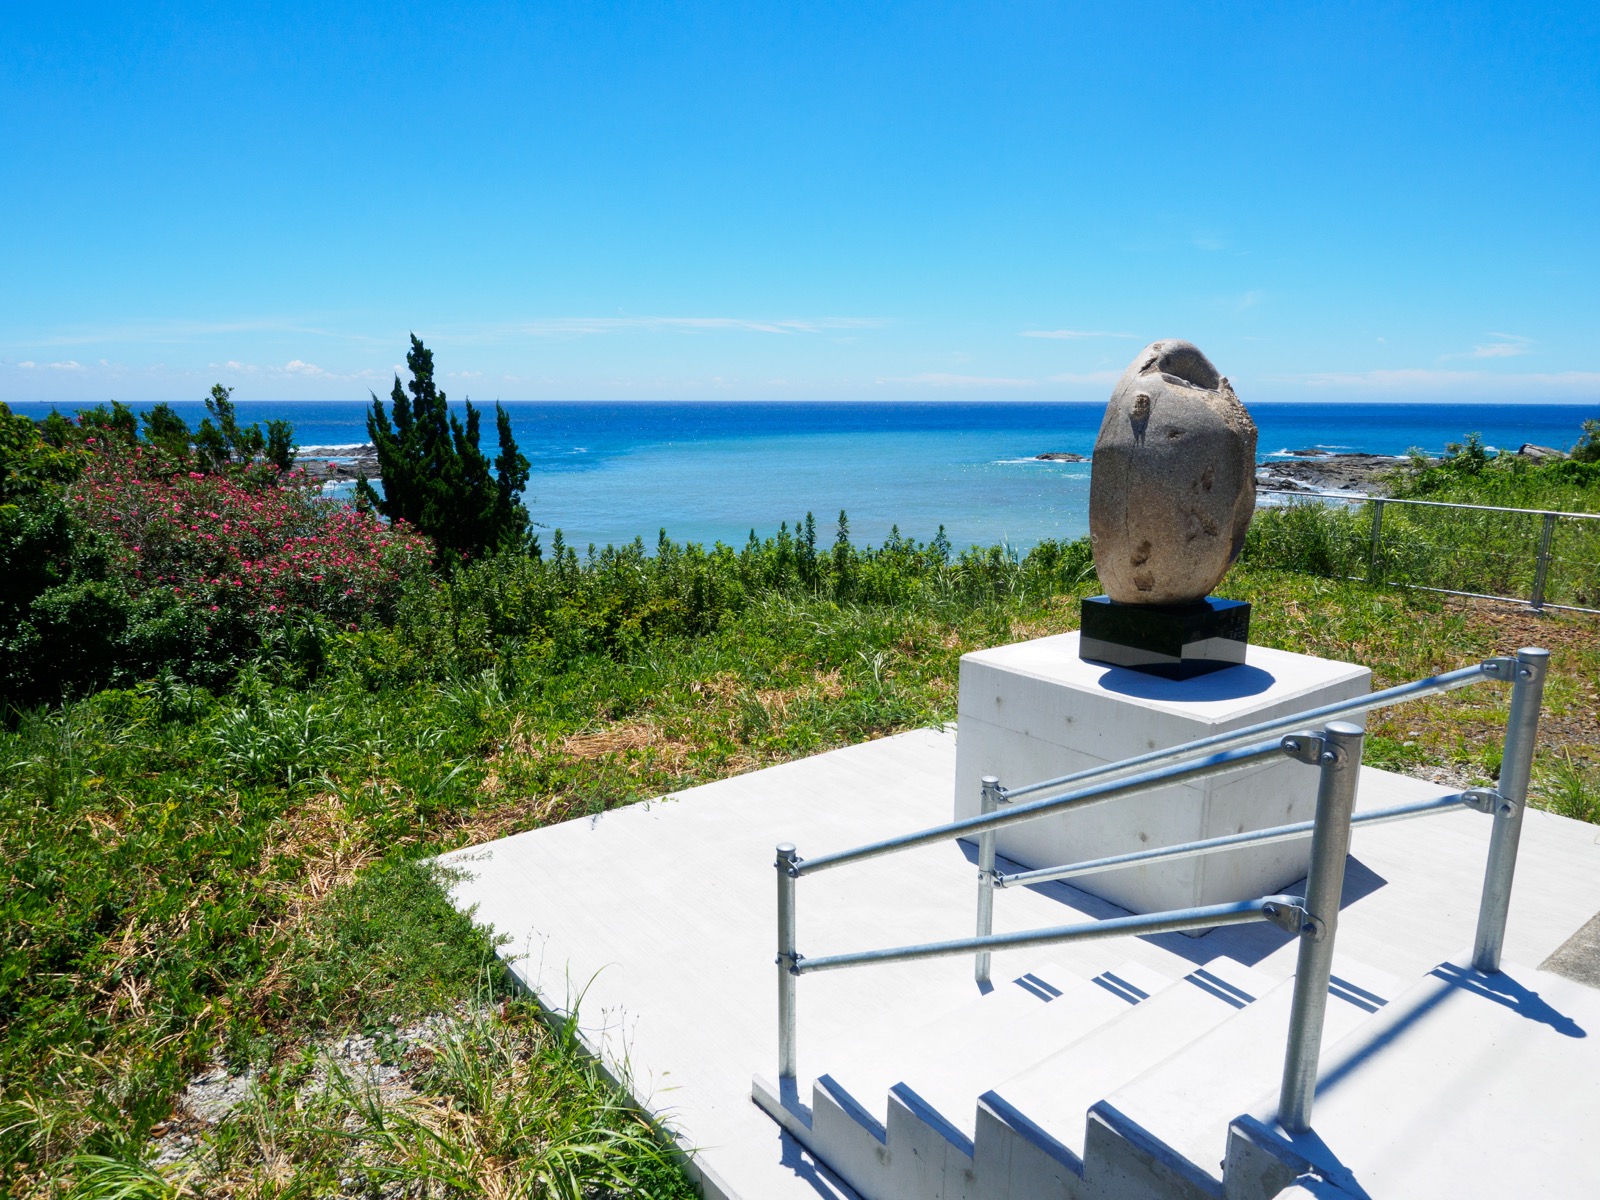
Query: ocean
[708, 472]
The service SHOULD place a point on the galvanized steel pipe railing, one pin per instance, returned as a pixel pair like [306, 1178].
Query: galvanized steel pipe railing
[1211, 764]
[1490, 668]
[1255, 837]
[1516, 764]
[1286, 911]
[1338, 754]
[1336, 751]
[786, 960]
[1216, 754]
[989, 801]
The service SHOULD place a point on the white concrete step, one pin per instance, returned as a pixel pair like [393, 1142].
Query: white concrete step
[881, 1134]
[956, 1056]
[872, 1058]
[1031, 1128]
[1464, 1085]
[1170, 1125]
[951, 1082]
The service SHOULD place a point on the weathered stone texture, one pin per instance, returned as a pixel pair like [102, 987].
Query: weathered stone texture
[1173, 483]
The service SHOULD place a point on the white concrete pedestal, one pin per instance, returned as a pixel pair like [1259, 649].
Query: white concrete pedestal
[1035, 710]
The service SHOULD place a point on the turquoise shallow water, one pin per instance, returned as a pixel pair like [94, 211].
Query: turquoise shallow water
[707, 472]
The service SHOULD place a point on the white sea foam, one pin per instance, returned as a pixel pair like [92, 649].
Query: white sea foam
[1035, 461]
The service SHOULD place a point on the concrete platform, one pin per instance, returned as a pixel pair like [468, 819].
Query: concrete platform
[658, 921]
[1035, 710]
[1466, 1085]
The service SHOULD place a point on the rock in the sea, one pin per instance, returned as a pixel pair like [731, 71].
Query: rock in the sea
[1173, 488]
[1058, 456]
[1540, 453]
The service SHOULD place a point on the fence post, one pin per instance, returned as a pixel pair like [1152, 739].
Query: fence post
[1340, 764]
[786, 960]
[990, 802]
[1374, 574]
[1522, 725]
[1541, 571]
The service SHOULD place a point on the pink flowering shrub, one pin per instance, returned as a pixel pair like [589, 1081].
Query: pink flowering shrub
[224, 544]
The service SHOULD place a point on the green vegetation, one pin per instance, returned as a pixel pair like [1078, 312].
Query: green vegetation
[219, 862]
[434, 476]
[1457, 549]
[1588, 448]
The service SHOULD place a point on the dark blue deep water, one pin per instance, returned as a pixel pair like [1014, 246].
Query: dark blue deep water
[714, 471]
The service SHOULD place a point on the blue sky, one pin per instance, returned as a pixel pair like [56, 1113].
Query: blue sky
[819, 201]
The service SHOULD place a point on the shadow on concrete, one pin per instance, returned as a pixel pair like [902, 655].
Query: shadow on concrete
[811, 1171]
[1245, 944]
[1503, 989]
[1500, 988]
[1234, 683]
[1328, 1164]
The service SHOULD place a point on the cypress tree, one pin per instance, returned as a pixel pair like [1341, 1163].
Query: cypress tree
[435, 476]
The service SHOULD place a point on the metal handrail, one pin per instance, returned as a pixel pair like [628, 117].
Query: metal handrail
[1287, 912]
[1541, 570]
[1132, 768]
[1336, 751]
[1358, 497]
[1256, 837]
[1212, 764]
[1433, 685]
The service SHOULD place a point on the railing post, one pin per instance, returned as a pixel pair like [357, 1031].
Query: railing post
[1541, 571]
[1340, 764]
[1373, 574]
[787, 979]
[1522, 725]
[990, 802]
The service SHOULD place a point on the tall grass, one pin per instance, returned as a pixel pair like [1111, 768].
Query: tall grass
[1488, 553]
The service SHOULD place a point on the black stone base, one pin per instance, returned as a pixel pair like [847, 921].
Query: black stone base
[1176, 641]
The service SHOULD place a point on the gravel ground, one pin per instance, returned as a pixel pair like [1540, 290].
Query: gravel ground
[376, 1060]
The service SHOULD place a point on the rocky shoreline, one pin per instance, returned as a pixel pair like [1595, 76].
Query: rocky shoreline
[338, 462]
[1306, 471]
[1319, 471]
[1316, 470]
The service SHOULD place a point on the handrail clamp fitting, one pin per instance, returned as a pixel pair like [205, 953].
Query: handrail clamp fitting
[1311, 748]
[1486, 800]
[1504, 668]
[1289, 914]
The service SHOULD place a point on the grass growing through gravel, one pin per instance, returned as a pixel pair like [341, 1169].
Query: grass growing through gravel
[237, 879]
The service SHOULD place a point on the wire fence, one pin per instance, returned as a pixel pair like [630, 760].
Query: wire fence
[1541, 558]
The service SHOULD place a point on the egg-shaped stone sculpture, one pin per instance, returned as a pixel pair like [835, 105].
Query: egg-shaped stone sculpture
[1172, 488]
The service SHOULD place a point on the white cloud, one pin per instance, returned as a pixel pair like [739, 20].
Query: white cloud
[590, 326]
[1087, 377]
[1447, 384]
[296, 367]
[28, 365]
[1507, 345]
[69, 365]
[945, 379]
[161, 332]
[1073, 335]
